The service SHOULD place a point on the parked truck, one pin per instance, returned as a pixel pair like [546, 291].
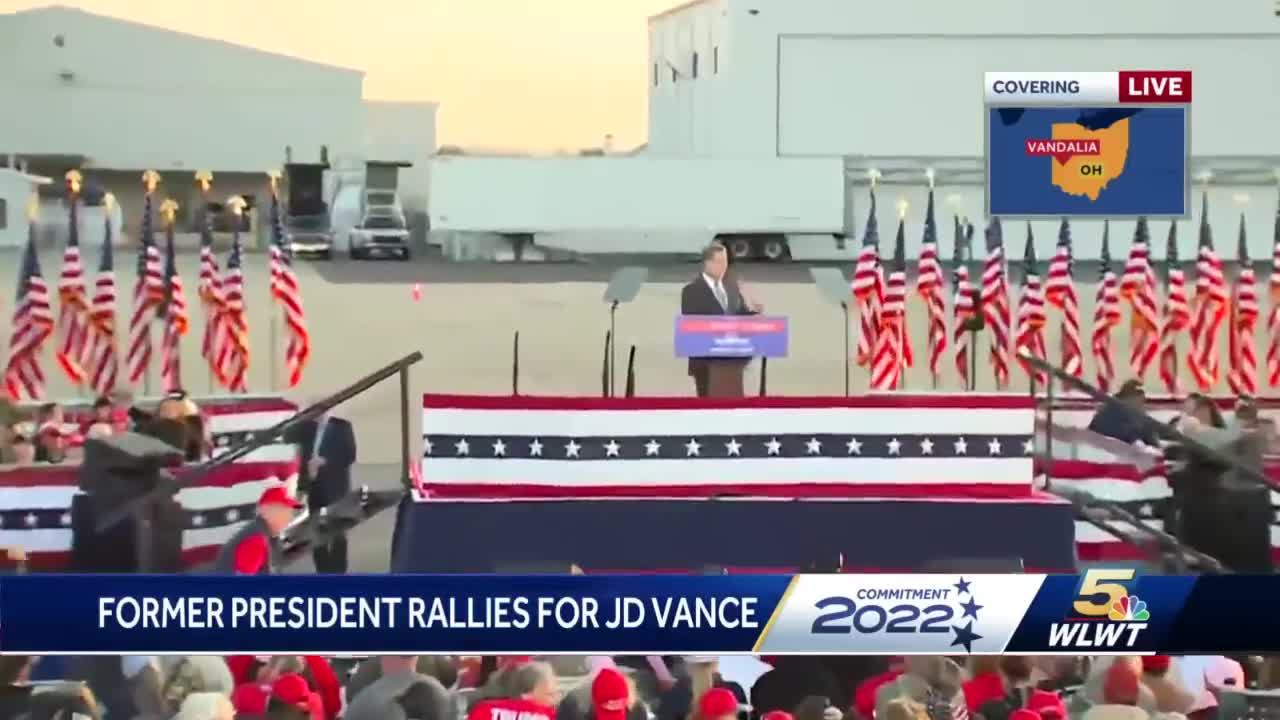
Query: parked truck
[307, 220]
[370, 215]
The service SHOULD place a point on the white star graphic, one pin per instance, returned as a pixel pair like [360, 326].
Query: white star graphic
[427, 445]
[814, 446]
[895, 447]
[1144, 511]
[571, 450]
[962, 447]
[692, 448]
[1028, 447]
[31, 519]
[652, 447]
[197, 520]
[854, 446]
[65, 519]
[993, 447]
[462, 446]
[773, 446]
[926, 447]
[611, 449]
[535, 448]
[233, 515]
[499, 448]
[733, 447]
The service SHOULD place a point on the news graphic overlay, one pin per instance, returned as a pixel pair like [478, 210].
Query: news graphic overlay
[1103, 611]
[1100, 144]
[892, 614]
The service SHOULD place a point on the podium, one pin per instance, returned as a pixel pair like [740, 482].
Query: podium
[719, 348]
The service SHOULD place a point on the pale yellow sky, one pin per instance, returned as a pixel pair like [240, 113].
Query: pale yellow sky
[536, 74]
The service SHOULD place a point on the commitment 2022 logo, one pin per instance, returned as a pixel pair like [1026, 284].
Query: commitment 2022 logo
[927, 609]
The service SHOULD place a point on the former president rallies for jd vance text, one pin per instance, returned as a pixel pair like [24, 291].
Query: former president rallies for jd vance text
[1137, 87]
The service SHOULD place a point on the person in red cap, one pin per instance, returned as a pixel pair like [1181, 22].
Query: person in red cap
[717, 704]
[610, 695]
[291, 691]
[254, 550]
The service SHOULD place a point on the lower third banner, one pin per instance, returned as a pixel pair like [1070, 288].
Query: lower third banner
[1102, 611]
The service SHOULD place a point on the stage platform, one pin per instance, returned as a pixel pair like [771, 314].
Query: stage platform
[742, 535]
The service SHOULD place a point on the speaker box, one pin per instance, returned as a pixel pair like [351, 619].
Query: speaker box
[146, 541]
[975, 566]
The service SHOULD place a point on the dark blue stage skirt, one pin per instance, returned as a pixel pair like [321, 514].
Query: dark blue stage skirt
[744, 535]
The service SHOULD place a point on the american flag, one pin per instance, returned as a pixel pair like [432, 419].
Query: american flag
[174, 313]
[35, 501]
[1177, 314]
[103, 358]
[1273, 317]
[881, 446]
[868, 287]
[233, 342]
[1031, 316]
[1138, 286]
[930, 286]
[893, 344]
[210, 287]
[1106, 315]
[964, 297]
[1242, 375]
[285, 290]
[1060, 291]
[148, 291]
[1208, 309]
[995, 302]
[32, 325]
[73, 300]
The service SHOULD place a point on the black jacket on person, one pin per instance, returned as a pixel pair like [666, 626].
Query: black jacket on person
[792, 680]
[1114, 421]
[337, 448]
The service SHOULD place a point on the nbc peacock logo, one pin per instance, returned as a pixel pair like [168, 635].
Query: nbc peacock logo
[1129, 608]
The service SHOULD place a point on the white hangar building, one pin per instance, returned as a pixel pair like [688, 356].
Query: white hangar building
[766, 115]
[114, 98]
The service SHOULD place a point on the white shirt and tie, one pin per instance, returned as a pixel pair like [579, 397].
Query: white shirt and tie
[315, 461]
[717, 289]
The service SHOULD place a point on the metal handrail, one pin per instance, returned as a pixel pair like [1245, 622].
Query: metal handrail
[170, 484]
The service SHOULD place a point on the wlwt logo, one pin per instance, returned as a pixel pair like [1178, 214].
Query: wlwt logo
[1104, 614]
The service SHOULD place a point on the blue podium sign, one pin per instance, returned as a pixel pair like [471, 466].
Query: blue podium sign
[729, 336]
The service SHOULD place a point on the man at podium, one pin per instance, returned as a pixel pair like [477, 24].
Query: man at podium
[712, 293]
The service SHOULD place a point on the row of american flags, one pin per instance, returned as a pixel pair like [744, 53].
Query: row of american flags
[1162, 309]
[88, 347]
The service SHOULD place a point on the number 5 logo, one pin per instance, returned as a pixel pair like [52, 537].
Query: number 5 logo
[1111, 584]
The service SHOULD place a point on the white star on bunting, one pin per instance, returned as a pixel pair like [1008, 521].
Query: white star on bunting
[462, 446]
[895, 447]
[993, 447]
[926, 447]
[854, 447]
[611, 449]
[773, 446]
[499, 448]
[197, 520]
[733, 447]
[31, 519]
[814, 446]
[571, 450]
[65, 519]
[692, 448]
[962, 447]
[1028, 447]
[428, 445]
[233, 515]
[652, 447]
[535, 448]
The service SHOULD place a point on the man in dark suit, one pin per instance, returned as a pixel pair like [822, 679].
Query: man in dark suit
[327, 450]
[712, 293]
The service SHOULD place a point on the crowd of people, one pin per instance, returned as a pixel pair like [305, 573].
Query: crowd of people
[48, 435]
[624, 688]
